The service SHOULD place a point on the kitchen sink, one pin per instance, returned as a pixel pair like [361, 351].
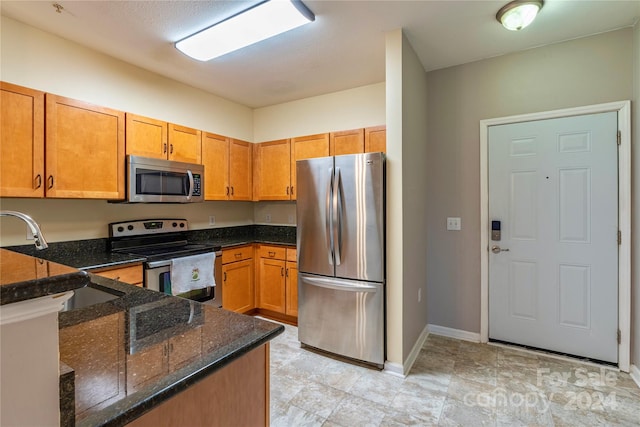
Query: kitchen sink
[88, 296]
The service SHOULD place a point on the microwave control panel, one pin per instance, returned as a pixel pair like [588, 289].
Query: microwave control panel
[197, 184]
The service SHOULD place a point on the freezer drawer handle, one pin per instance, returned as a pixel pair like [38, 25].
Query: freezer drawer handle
[340, 285]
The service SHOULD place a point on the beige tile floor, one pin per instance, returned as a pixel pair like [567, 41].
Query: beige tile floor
[452, 383]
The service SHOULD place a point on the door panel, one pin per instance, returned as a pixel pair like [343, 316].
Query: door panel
[360, 240]
[553, 185]
[314, 239]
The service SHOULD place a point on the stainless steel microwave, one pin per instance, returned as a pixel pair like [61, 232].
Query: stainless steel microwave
[163, 181]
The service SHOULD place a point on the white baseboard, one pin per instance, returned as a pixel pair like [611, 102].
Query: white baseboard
[403, 370]
[454, 333]
[634, 371]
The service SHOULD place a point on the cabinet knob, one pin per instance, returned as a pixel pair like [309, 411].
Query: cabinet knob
[38, 181]
[272, 254]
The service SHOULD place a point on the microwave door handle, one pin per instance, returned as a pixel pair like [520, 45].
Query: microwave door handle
[190, 184]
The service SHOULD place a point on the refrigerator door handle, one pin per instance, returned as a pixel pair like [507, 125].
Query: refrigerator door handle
[340, 285]
[328, 219]
[337, 215]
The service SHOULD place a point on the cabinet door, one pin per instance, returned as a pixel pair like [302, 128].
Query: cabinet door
[184, 349]
[307, 147]
[272, 171]
[292, 289]
[185, 144]
[240, 170]
[375, 139]
[215, 158]
[103, 338]
[132, 275]
[146, 365]
[146, 137]
[21, 141]
[272, 285]
[347, 142]
[238, 289]
[84, 151]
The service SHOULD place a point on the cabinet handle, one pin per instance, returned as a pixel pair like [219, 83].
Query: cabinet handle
[287, 191]
[117, 278]
[38, 181]
[50, 181]
[164, 148]
[292, 190]
[171, 348]
[282, 271]
[170, 148]
[238, 255]
[227, 191]
[232, 191]
[225, 277]
[286, 273]
[164, 350]
[272, 254]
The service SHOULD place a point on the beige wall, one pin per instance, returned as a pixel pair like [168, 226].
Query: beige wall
[635, 225]
[585, 71]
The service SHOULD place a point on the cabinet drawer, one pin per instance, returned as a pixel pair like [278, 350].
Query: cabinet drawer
[274, 252]
[292, 254]
[237, 254]
[132, 275]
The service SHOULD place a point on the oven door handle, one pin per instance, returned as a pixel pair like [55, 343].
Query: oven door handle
[156, 264]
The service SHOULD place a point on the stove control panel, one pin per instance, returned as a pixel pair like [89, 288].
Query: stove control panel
[145, 227]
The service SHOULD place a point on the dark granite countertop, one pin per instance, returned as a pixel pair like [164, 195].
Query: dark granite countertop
[93, 253]
[24, 277]
[141, 323]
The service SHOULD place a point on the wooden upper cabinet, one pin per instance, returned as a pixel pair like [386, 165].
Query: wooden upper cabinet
[306, 147]
[184, 144]
[146, 137]
[272, 170]
[375, 139]
[84, 151]
[347, 142]
[21, 141]
[228, 168]
[240, 170]
[215, 158]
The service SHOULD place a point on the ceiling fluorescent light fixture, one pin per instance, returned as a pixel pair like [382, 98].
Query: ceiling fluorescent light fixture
[518, 14]
[262, 21]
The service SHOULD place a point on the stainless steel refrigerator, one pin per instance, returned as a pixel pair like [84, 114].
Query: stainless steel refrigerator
[341, 255]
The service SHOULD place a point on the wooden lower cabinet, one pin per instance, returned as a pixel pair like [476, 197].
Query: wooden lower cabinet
[277, 282]
[236, 395]
[103, 338]
[238, 290]
[157, 360]
[130, 274]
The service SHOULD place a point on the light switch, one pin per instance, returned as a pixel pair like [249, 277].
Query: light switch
[454, 224]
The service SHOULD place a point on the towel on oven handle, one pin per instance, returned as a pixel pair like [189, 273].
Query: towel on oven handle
[192, 272]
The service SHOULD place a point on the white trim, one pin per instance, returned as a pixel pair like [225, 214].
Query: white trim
[404, 369]
[623, 108]
[635, 374]
[454, 333]
[32, 308]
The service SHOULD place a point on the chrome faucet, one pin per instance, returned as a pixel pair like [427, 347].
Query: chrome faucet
[38, 238]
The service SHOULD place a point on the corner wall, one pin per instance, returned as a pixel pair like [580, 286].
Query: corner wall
[635, 221]
[585, 71]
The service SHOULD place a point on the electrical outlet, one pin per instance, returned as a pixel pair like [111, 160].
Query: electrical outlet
[454, 224]
[212, 220]
[290, 219]
[267, 218]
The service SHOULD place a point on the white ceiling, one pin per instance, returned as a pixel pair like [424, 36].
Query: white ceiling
[343, 48]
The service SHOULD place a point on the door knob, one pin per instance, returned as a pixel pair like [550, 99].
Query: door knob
[496, 249]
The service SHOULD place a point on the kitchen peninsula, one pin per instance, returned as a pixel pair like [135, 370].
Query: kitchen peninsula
[145, 358]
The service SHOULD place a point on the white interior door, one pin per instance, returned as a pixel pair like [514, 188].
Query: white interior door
[553, 276]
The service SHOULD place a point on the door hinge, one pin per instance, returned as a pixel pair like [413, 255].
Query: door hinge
[619, 237]
[619, 138]
[619, 336]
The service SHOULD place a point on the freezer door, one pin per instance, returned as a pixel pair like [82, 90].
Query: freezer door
[359, 239]
[345, 317]
[314, 237]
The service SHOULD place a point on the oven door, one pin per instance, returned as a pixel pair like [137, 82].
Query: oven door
[157, 277]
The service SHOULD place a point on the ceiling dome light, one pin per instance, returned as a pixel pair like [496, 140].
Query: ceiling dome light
[518, 14]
